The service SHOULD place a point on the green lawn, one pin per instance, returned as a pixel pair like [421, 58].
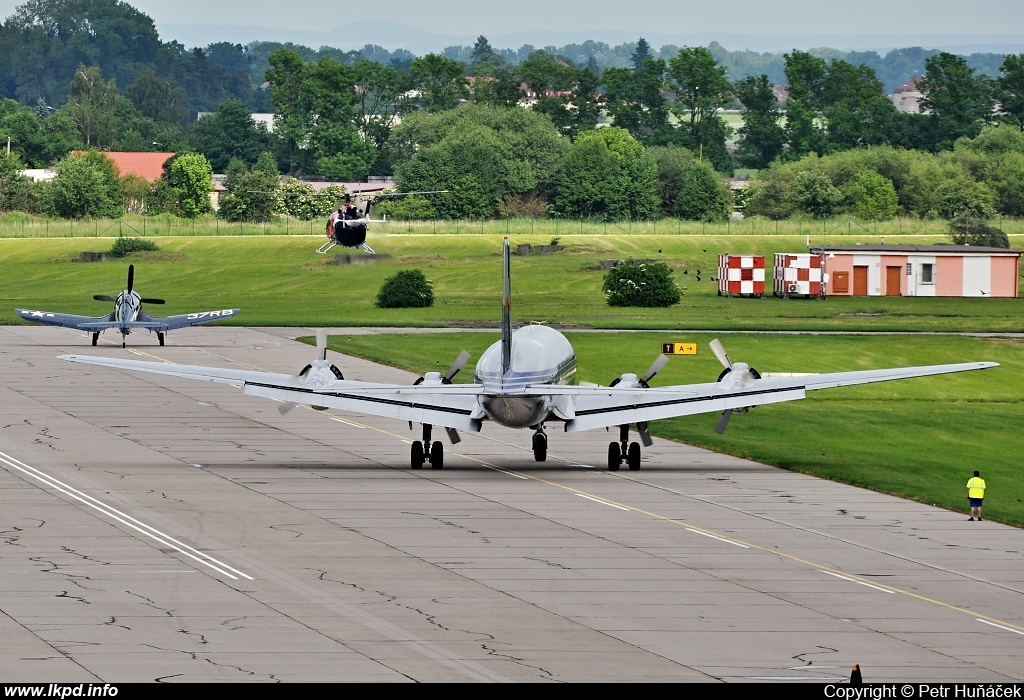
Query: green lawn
[919, 438]
[278, 280]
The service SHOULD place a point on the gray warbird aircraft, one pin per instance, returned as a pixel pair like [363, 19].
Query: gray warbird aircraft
[526, 380]
[127, 314]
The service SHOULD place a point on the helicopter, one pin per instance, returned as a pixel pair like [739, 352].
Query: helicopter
[347, 226]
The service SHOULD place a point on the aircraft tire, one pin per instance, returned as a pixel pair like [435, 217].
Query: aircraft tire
[95, 338]
[634, 456]
[540, 447]
[417, 455]
[437, 455]
[614, 456]
[160, 337]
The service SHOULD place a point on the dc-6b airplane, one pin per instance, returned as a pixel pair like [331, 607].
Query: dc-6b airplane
[127, 315]
[527, 380]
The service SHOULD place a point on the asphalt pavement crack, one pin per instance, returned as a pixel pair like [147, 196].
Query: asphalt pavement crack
[152, 604]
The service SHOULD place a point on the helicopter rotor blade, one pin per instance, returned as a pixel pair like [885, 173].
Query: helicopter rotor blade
[720, 353]
[459, 363]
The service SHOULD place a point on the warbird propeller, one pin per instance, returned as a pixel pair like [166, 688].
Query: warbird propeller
[126, 316]
[527, 380]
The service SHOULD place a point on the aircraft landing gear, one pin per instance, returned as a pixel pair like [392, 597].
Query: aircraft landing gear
[160, 337]
[426, 452]
[540, 445]
[95, 338]
[623, 451]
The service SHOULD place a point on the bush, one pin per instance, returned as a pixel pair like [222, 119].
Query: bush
[968, 230]
[126, 245]
[641, 284]
[407, 289]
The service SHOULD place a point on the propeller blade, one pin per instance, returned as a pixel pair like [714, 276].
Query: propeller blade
[153, 301]
[321, 344]
[459, 363]
[286, 407]
[131, 277]
[721, 354]
[453, 435]
[103, 297]
[645, 435]
[655, 367]
[723, 422]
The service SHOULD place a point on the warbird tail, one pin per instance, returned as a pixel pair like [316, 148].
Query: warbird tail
[506, 310]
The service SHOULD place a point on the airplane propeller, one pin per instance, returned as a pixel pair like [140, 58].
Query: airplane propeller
[103, 297]
[152, 301]
[656, 366]
[459, 363]
[321, 355]
[719, 350]
[131, 277]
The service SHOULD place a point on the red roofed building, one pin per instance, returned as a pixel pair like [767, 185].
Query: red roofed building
[907, 97]
[144, 164]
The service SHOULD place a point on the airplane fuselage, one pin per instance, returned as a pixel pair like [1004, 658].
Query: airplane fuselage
[126, 308]
[540, 355]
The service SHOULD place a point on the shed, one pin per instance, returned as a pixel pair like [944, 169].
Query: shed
[920, 270]
[797, 274]
[740, 274]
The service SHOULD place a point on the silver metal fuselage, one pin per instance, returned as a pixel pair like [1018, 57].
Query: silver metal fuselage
[540, 355]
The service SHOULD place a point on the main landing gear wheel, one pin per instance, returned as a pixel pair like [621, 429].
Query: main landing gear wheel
[160, 337]
[95, 338]
[633, 458]
[437, 455]
[540, 446]
[614, 456]
[417, 455]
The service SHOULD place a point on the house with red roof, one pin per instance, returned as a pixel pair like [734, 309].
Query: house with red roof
[907, 97]
[149, 166]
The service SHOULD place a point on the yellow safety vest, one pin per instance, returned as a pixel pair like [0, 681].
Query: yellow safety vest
[977, 487]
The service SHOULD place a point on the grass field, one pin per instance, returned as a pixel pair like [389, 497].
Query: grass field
[919, 438]
[279, 280]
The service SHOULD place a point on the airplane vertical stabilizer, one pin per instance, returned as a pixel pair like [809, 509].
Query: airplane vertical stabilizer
[506, 310]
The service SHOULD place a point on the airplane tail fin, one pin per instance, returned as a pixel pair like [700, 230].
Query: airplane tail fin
[506, 310]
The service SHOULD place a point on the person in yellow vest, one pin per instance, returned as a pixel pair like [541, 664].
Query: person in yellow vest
[975, 494]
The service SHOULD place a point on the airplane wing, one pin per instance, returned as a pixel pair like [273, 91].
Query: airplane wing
[585, 408]
[420, 404]
[85, 323]
[169, 323]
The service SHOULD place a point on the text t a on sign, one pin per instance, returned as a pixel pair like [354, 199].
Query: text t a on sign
[679, 348]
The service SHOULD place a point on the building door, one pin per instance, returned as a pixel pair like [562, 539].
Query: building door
[841, 282]
[893, 278]
[860, 280]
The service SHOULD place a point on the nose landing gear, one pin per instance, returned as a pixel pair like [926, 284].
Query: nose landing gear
[623, 451]
[540, 445]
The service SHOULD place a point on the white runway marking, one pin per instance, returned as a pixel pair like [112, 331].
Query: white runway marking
[716, 537]
[123, 518]
[1008, 629]
[853, 580]
[347, 423]
[598, 500]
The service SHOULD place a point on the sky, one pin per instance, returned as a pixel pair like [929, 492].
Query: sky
[734, 18]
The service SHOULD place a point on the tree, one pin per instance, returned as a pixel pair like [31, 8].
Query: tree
[44, 40]
[674, 164]
[291, 117]
[960, 101]
[406, 289]
[482, 51]
[703, 197]
[636, 102]
[86, 185]
[14, 187]
[228, 133]
[640, 55]
[975, 231]
[191, 181]
[381, 102]
[300, 200]
[1010, 85]
[608, 173]
[871, 196]
[251, 196]
[762, 137]
[565, 94]
[641, 284]
[160, 99]
[814, 193]
[440, 80]
[701, 90]
[91, 104]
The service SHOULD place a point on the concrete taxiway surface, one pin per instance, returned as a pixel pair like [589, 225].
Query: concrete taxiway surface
[156, 528]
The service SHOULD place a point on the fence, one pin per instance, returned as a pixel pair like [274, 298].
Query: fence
[26, 226]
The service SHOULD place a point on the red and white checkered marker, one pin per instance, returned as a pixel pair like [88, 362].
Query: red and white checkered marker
[740, 274]
[797, 274]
